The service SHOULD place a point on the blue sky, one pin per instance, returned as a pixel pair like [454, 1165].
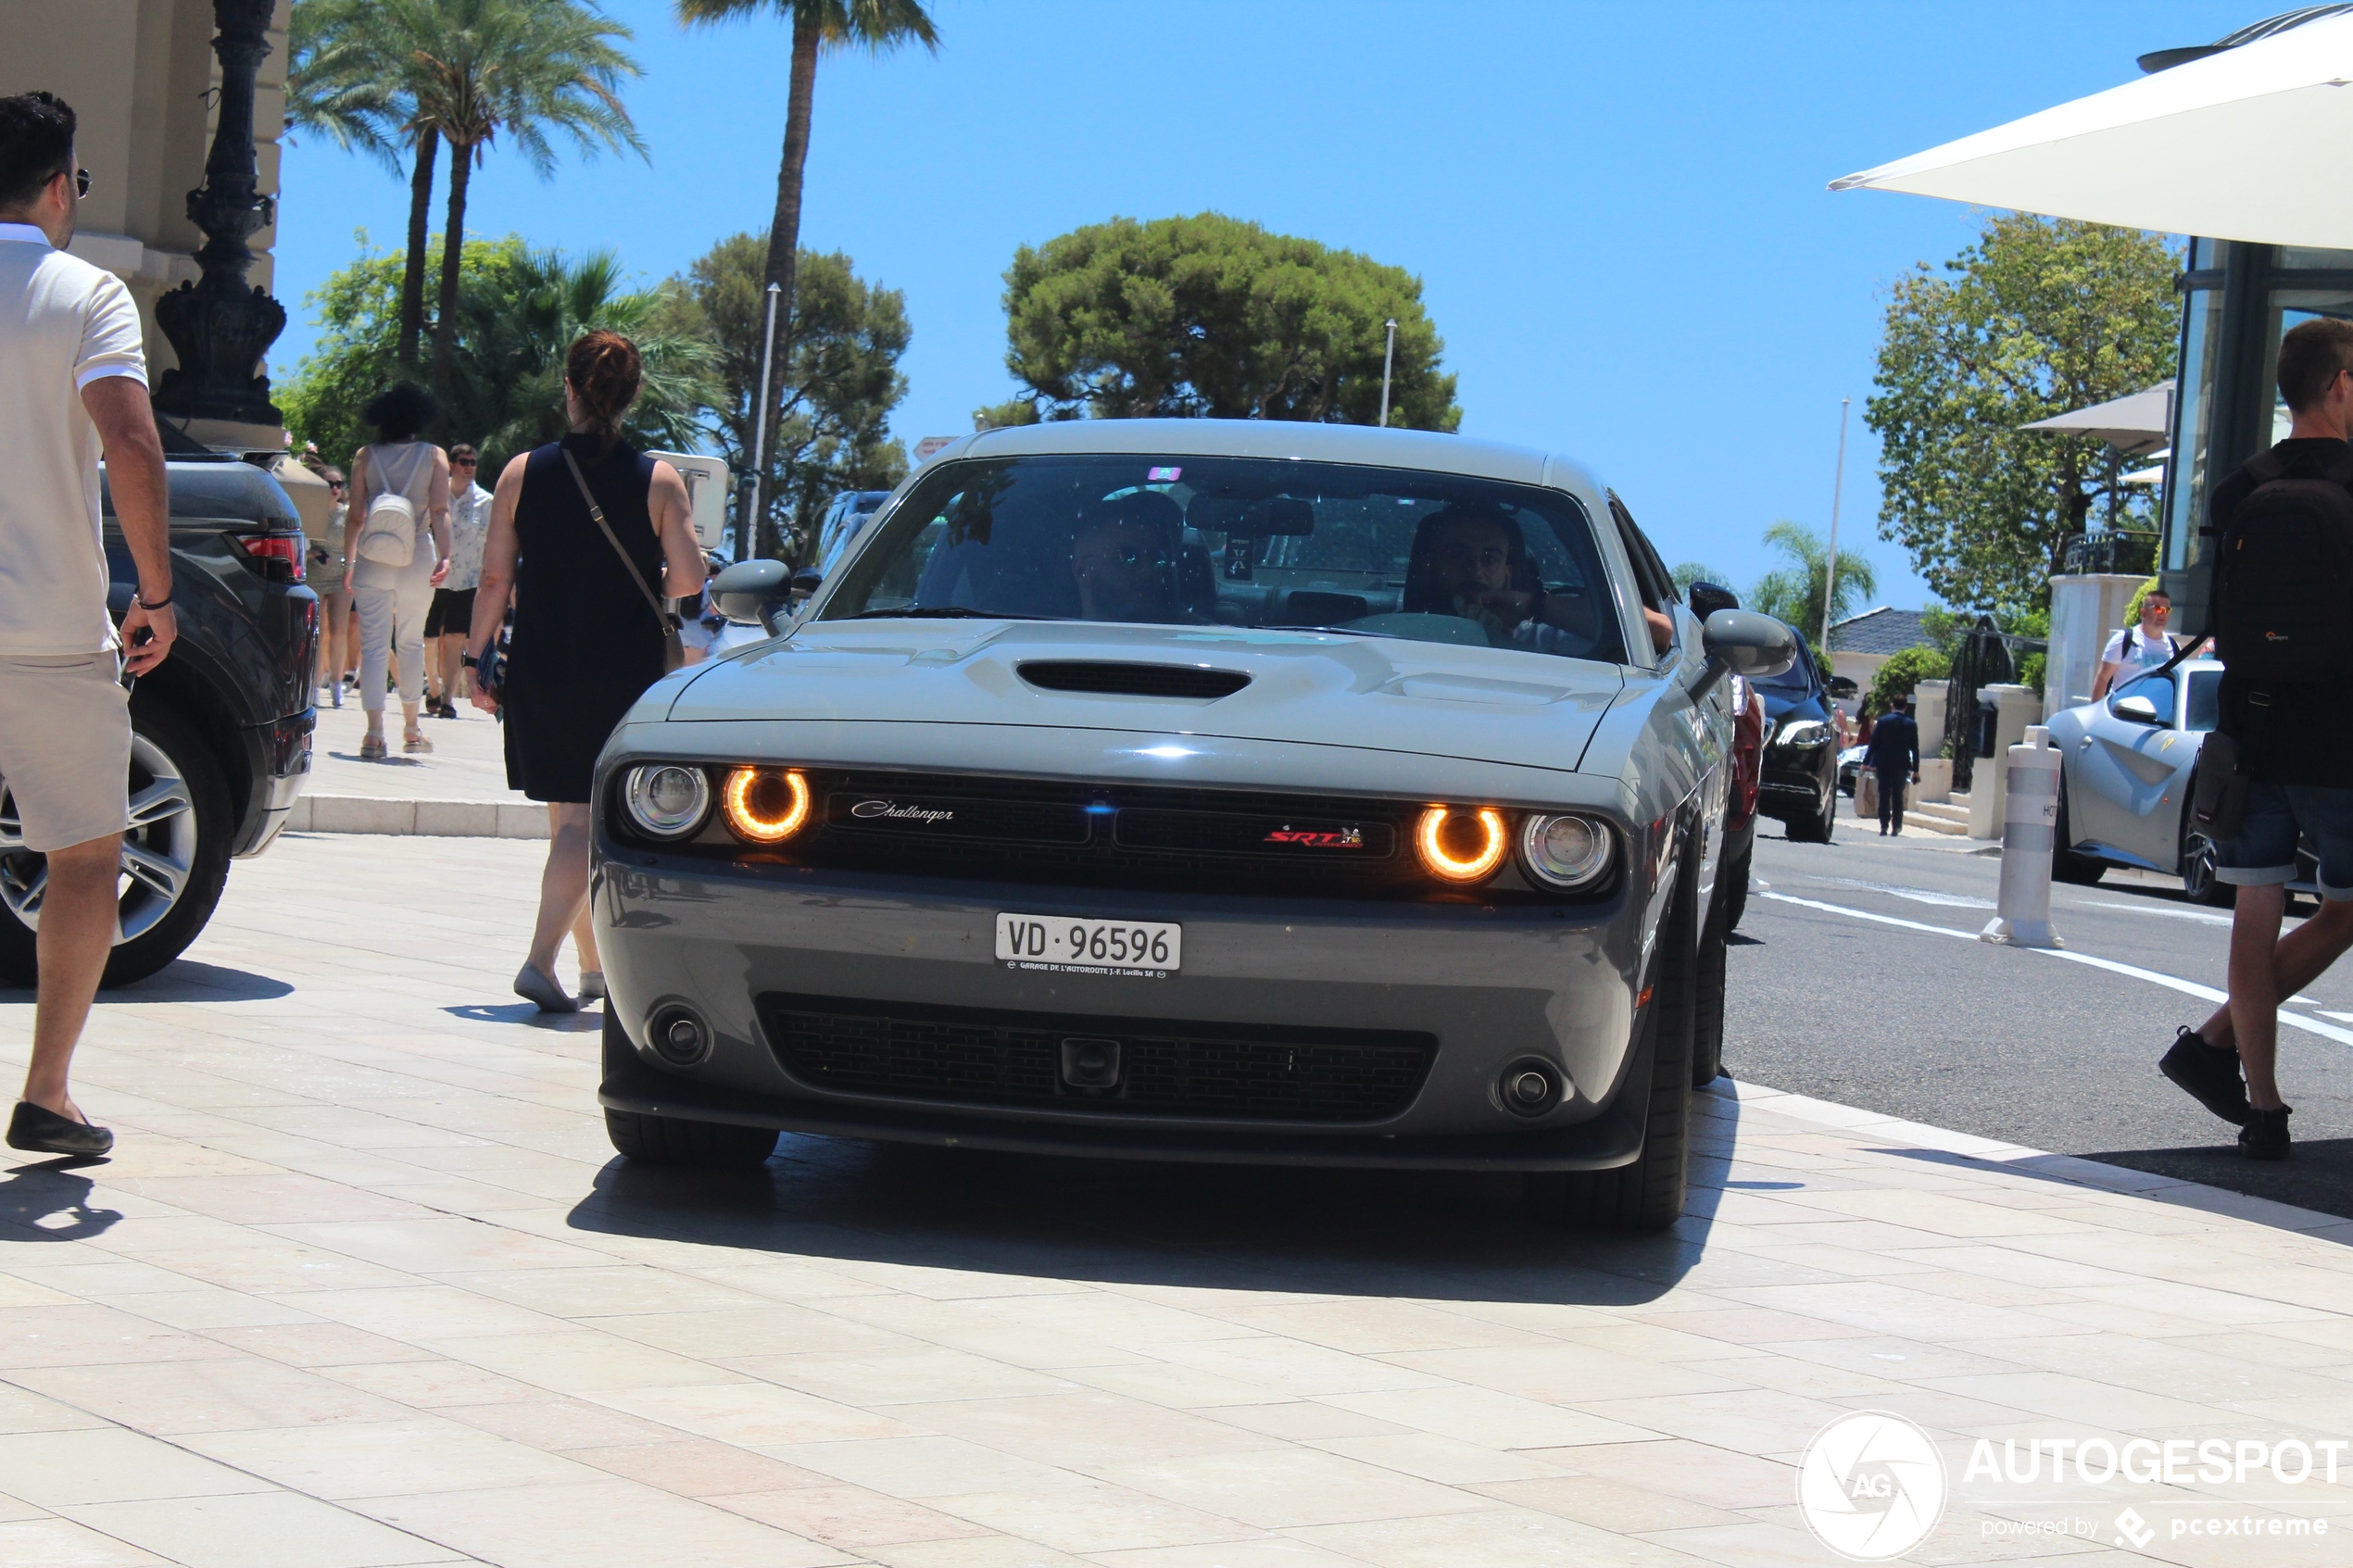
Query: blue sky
[1617, 211]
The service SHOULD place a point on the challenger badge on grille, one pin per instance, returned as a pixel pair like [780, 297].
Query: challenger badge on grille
[865, 810]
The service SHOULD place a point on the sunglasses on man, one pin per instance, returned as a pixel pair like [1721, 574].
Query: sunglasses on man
[80, 181]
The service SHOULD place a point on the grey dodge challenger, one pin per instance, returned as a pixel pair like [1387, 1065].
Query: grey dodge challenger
[1192, 789]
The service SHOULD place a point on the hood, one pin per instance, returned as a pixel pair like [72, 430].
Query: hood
[1378, 694]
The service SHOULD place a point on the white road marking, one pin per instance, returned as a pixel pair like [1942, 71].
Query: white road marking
[1916, 895]
[2202, 916]
[2170, 982]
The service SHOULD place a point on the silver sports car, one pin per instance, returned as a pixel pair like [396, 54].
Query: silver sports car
[2126, 765]
[1193, 789]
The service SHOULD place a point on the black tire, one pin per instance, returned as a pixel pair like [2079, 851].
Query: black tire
[1814, 824]
[1648, 1194]
[1738, 868]
[2066, 865]
[1707, 1004]
[672, 1140]
[161, 926]
[2199, 884]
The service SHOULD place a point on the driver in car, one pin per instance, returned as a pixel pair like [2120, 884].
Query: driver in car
[1472, 561]
[1124, 560]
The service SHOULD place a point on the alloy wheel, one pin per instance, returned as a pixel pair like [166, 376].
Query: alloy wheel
[158, 852]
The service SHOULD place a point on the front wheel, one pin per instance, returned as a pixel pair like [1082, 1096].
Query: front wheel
[175, 857]
[1814, 824]
[1708, 1021]
[2199, 884]
[2066, 865]
[1648, 1194]
[1738, 868]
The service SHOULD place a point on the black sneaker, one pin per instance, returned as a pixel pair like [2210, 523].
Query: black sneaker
[2208, 1074]
[2265, 1135]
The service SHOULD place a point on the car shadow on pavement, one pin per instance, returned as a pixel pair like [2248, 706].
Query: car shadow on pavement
[184, 980]
[2222, 1182]
[1452, 1235]
[46, 1201]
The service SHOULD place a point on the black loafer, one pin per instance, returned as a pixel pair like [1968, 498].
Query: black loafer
[40, 1131]
[2208, 1074]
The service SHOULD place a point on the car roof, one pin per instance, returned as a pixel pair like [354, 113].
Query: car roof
[1298, 439]
[230, 489]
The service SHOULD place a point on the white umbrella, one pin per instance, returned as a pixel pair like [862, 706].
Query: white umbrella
[2134, 423]
[2233, 146]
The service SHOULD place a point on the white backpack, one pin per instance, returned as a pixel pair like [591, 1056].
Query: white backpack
[388, 532]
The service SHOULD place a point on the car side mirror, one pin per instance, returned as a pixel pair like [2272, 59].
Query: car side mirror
[1706, 598]
[1839, 685]
[2138, 711]
[751, 593]
[1742, 642]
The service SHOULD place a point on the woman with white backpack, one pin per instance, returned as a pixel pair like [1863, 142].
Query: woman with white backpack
[397, 542]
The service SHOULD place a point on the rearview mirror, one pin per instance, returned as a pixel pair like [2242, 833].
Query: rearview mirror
[1706, 598]
[1742, 642]
[2138, 710]
[1227, 514]
[751, 592]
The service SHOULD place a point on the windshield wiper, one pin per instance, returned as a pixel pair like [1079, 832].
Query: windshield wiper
[944, 612]
[1343, 630]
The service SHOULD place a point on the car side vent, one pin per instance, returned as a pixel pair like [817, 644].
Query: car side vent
[1132, 680]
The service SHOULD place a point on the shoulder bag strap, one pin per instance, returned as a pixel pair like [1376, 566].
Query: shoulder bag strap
[598, 512]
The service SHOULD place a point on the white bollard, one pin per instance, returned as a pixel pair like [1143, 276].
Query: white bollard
[2030, 819]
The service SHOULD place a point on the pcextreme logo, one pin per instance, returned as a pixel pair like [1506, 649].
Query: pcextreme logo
[1871, 1486]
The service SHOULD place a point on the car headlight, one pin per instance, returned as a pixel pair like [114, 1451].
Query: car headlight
[1805, 733]
[764, 805]
[1462, 843]
[666, 800]
[1566, 852]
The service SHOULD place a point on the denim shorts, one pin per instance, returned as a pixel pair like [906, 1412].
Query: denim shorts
[2263, 855]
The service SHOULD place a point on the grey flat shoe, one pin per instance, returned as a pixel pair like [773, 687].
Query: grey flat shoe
[42, 1131]
[543, 992]
[592, 986]
[371, 749]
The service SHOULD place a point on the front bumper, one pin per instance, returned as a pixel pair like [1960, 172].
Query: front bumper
[1491, 984]
[278, 755]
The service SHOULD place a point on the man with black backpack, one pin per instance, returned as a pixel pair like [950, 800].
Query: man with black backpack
[2282, 534]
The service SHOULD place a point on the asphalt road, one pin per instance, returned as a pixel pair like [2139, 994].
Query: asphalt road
[2046, 1051]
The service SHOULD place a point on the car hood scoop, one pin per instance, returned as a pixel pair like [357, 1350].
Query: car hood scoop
[1122, 679]
[1310, 688]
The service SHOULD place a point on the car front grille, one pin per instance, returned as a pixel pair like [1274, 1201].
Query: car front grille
[987, 1057]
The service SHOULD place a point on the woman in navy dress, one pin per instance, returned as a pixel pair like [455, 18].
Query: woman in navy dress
[586, 643]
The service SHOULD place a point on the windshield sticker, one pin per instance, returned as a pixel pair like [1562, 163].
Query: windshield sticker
[1164, 476]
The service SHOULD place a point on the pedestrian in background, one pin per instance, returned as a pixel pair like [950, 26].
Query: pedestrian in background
[590, 534]
[2284, 527]
[327, 570]
[2136, 650]
[73, 387]
[451, 620]
[1894, 755]
[396, 543]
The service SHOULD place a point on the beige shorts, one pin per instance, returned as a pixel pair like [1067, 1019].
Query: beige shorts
[65, 749]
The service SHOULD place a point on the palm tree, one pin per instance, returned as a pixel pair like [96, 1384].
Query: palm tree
[526, 67]
[346, 77]
[1793, 591]
[878, 25]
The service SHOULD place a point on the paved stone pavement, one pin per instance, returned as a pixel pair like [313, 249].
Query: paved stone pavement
[364, 1287]
[466, 762]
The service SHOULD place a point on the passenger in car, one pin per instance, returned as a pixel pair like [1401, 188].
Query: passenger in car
[1125, 561]
[1471, 561]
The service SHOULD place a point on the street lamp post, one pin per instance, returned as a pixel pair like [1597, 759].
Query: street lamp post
[750, 529]
[1838, 486]
[1388, 363]
[220, 326]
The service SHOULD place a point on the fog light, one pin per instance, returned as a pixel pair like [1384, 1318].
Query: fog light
[679, 1037]
[1531, 1086]
[1460, 844]
[764, 805]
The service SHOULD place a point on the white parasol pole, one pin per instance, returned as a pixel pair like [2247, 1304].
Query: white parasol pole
[1838, 484]
[747, 536]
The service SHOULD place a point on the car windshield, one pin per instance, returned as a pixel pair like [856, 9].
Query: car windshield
[1191, 540]
[1796, 681]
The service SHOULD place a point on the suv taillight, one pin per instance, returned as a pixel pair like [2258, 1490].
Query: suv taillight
[277, 557]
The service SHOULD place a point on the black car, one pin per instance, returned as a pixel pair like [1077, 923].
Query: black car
[220, 730]
[1799, 784]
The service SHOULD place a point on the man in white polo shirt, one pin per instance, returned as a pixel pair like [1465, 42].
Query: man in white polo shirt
[73, 387]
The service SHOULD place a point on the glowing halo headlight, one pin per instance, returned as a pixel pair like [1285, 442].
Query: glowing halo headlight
[666, 800]
[1565, 852]
[764, 806]
[1462, 843]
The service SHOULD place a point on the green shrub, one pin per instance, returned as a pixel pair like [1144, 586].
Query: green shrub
[1903, 671]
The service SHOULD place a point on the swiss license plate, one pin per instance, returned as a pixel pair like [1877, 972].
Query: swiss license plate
[1153, 949]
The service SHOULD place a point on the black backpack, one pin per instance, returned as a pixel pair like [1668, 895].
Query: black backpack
[2283, 579]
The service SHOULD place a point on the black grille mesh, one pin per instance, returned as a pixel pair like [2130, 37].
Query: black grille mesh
[978, 1055]
[1131, 679]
